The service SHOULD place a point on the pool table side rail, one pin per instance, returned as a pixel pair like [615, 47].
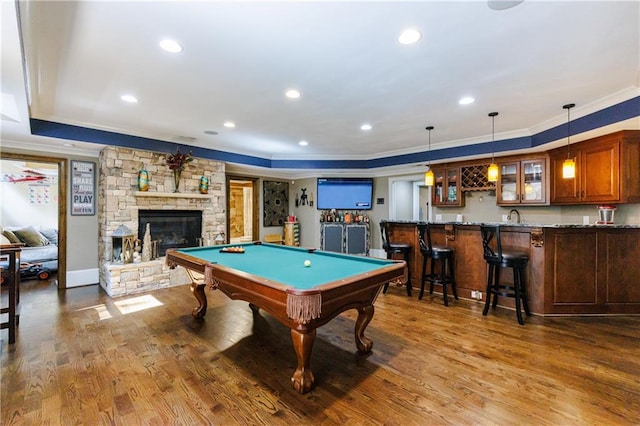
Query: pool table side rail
[306, 309]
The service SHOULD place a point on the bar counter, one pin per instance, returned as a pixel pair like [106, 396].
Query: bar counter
[572, 269]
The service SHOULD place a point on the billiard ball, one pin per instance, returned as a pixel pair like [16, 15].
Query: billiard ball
[307, 263]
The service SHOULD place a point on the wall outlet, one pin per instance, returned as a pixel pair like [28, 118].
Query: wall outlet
[477, 295]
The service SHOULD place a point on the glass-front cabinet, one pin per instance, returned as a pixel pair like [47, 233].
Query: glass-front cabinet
[522, 182]
[446, 190]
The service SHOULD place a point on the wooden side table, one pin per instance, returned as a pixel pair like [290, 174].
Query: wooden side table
[291, 233]
[12, 253]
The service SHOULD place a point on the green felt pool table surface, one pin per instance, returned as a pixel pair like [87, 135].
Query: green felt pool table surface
[285, 264]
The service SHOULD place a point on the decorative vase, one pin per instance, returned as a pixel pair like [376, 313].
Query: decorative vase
[143, 180]
[176, 179]
[146, 244]
[204, 185]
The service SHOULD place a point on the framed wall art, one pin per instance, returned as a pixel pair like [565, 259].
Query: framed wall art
[83, 188]
[275, 197]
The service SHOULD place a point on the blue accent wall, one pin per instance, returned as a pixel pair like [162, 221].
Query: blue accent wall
[613, 114]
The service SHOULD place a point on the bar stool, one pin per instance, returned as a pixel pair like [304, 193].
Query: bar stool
[497, 258]
[443, 254]
[11, 254]
[392, 248]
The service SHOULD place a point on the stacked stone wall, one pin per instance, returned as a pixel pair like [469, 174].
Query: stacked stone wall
[119, 202]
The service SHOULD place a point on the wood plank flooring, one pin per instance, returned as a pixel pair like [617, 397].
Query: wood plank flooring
[82, 358]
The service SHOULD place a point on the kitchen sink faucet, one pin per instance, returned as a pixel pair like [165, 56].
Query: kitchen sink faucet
[517, 214]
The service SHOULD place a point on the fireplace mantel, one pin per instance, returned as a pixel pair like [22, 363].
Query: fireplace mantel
[171, 194]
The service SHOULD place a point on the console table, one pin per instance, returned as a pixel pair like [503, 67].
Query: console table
[350, 238]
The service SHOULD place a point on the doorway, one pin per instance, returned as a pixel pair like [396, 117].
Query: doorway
[409, 199]
[242, 209]
[34, 163]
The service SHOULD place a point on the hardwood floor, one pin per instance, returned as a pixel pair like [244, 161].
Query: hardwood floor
[83, 358]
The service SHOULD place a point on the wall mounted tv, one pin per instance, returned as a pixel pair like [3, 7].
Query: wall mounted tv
[345, 193]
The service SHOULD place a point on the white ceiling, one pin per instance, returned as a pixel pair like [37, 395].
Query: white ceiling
[239, 58]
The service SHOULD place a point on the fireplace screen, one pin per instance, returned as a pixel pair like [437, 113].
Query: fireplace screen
[171, 228]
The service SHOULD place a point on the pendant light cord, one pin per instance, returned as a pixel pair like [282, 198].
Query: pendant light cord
[493, 136]
[429, 128]
[568, 108]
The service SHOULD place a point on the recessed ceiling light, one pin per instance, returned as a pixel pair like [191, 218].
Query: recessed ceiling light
[366, 126]
[466, 100]
[292, 94]
[171, 46]
[229, 124]
[303, 143]
[129, 98]
[503, 4]
[409, 36]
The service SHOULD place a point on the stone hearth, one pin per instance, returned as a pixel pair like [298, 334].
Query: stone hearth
[119, 202]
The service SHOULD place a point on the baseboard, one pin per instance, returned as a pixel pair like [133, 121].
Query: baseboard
[381, 254]
[82, 277]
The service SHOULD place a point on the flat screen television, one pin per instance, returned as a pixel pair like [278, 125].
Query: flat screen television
[345, 193]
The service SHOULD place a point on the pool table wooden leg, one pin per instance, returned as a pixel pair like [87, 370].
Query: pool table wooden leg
[198, 292]
[302, 379]
[365, 314]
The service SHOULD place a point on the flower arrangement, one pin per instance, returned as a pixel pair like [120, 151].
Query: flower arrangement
[178, 160]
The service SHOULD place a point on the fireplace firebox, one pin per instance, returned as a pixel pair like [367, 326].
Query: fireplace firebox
[171, 228]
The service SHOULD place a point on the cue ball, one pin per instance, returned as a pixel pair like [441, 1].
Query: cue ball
[307, 263]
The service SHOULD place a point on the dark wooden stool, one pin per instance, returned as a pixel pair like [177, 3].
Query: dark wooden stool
[498, 258]
[12, 255]
[444, 255]
[395, 248]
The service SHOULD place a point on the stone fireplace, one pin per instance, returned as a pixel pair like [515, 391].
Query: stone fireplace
[120, 202]
[171, 228]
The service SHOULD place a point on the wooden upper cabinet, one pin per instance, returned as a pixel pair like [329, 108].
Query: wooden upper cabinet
[447, 188]
[564, 191]
[607, 170]
[600, 181]
[522, 182]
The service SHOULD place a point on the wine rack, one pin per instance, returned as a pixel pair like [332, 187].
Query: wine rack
[474, 178]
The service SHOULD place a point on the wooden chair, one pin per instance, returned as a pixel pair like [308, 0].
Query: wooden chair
[274, 238]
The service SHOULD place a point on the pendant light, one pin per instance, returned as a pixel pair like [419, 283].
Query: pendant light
[428, 176]
[569, 166]
[493, 171]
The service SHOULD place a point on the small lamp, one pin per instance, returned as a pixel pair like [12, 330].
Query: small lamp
[219, 239]
[428, 176]
[122, 245]
[568, 166]
[493, 172]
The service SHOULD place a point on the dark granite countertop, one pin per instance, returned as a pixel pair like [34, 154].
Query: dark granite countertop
[528, 225]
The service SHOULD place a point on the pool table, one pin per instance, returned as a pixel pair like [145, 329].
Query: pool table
[275, 278]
